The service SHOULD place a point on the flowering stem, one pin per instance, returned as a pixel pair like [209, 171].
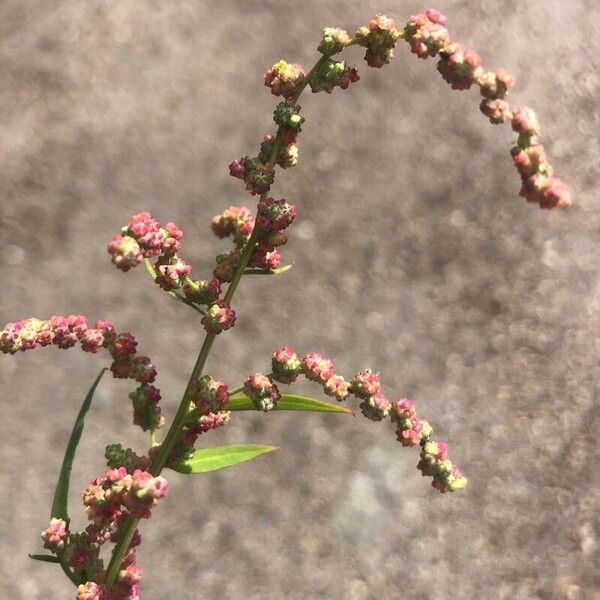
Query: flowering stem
[178, 423]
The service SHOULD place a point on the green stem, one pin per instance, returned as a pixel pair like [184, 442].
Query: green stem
[166, 447]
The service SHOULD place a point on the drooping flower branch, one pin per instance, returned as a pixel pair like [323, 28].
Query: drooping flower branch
[116, 501]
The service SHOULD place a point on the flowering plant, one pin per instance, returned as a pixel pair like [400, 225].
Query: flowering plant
[117, 500]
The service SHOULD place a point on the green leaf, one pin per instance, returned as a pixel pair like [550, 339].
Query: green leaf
[291, 402]
[60, 505]
[277, 271]
[221, 457]
[45, 558]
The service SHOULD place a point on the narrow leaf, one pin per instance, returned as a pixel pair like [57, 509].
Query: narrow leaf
[60, 505]
[221, 457]
[291, 402]
[277, 271]
[45, 558]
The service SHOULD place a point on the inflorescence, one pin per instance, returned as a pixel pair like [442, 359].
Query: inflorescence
[132, 485]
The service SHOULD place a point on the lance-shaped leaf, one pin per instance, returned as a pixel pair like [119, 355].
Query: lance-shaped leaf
[221, 457]
[60, 505]
[291, 402]
[45, 558]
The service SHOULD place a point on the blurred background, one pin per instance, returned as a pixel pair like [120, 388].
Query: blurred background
[413, 254]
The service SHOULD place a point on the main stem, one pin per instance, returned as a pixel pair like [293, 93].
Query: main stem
[179, 421]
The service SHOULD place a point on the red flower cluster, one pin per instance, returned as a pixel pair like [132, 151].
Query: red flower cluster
[262, 391]
[65, 332]
[461, 68]
[143, 237]
[411, 430]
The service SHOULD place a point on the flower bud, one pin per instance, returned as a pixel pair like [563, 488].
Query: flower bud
[376, 407]
[219, 317]
[317, 368]
[285, 365]
[334, 41]
[210, 395]
[365, 384]
[283, 78]
[55, 535]
[337, 387]
[262, 391]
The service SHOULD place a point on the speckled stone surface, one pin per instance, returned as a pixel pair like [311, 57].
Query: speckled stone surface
[412, 254]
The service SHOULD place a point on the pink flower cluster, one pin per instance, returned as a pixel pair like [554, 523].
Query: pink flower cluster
[411, 430]
[273, 216]
[283, 78]
[334, 41]
[108, 501]
[55, 535]
[262, 391]
[219, 317]
[379, 38]
[539, 185]
[257, 176]
[143, 237]
[66, 332]
[461, 68]
[210, 395]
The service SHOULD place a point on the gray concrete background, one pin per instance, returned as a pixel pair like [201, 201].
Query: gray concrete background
[413, 254]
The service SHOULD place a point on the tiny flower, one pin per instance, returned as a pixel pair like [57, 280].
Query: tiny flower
[459, 66]
[497, 111]
[333, 74]
[379, 39]
[402, 409]
[257, 176]
[171, 274]
[219, 317]
[146, 412]
[131, 575]
[274, 215]
[55, 535]
[365, 384]
[265, 259]
[125, 252]
[123, 346]
[209, 421]
[337, 387]
[92, 340]
[288, 117]
[495, 85]
[226, 265]
[91, 591]
[283, 78]
[236, 221]
[210, 395]
[116, 457]
[524, 121]
[285, 365]
[426, 33]
[262, 391]
[142, 370]
[288, 152]
[317, 368]
[148, 233]
[376, 407]
[334, 41]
